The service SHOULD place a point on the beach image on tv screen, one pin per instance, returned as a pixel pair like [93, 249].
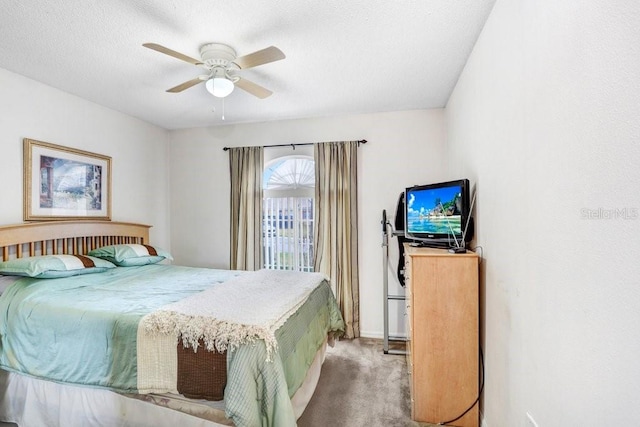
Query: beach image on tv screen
[436, 211]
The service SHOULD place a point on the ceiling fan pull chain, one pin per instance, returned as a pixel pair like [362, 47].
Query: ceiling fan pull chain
[222, 108]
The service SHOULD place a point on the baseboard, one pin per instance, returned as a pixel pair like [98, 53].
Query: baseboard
[378, 335]
[483, 420]
[369, 334]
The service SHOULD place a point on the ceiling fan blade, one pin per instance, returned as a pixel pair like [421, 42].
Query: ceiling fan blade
[187, 84]
[259, 57]
[173, 53]
[253, 88]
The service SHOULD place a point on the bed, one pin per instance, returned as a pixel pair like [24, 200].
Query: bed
[152, 344]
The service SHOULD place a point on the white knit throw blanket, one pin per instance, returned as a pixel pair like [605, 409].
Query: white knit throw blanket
[241, 310]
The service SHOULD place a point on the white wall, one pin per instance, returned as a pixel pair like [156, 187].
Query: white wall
[403, 149]
[546, 120]
[29, 109]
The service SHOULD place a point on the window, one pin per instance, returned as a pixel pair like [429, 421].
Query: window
[287, 216]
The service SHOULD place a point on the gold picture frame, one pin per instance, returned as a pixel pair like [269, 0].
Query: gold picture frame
[62, 183]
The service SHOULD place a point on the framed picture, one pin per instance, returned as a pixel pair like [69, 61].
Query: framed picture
[64, 183]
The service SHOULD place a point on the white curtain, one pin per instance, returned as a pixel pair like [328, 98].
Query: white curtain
[336, 232]
[246, 165]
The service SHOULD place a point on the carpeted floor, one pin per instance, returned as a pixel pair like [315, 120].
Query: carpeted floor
[360, 386]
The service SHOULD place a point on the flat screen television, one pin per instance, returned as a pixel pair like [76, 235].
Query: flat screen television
[437, 214]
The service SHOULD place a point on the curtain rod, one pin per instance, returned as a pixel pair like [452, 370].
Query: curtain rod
[362, 141]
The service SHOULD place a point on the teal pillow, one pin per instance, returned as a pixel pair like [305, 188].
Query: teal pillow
[130, 255]
[54, 266]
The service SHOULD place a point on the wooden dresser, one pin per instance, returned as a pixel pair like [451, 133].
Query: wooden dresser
[443, 334]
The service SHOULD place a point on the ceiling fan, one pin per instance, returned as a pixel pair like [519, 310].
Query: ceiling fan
[222, 66]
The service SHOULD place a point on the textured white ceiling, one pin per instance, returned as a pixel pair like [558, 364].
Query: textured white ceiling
[355, 56]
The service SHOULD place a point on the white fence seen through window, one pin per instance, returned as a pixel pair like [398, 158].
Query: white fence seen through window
[287, 233]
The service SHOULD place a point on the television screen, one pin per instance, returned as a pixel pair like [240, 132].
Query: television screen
[437, 211]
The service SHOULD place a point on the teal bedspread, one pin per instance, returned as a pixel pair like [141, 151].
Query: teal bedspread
[82, 330]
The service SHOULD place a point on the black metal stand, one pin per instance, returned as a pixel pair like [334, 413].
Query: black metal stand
[385, 286]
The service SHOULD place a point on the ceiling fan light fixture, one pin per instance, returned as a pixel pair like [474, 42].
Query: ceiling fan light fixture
[219, 87]
[222, 65]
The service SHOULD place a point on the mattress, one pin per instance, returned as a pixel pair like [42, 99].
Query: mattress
[29, 401]
[42, 320]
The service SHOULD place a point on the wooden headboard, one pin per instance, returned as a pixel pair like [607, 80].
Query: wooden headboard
[67, 237]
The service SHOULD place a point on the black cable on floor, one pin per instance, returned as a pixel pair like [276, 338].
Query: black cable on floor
[477, 399]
